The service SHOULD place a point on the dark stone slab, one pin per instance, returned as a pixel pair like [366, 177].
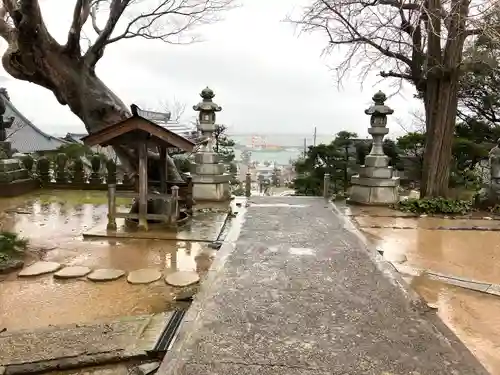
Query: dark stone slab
[305, 296]
[16, 188]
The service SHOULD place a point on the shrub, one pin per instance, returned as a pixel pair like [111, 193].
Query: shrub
[434, 206]
[11, 245]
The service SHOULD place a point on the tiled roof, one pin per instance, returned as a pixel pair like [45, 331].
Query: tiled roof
[24, 136]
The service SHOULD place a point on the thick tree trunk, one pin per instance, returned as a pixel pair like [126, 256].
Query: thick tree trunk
[441, 108]
[75, 84]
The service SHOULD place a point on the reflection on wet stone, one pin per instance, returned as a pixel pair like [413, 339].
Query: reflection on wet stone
[54, 226]
[456, 257]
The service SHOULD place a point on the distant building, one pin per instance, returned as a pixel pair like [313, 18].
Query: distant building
[23, 135]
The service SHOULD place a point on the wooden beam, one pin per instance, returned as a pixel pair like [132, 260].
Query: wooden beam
[143, 185]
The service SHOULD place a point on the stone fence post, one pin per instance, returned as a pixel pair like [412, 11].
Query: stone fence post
[111, 207]
[248, 184]
[326, 185]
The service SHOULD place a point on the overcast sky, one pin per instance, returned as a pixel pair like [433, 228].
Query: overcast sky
[266, 78]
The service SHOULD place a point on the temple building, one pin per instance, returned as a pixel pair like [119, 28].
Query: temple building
[24, 136]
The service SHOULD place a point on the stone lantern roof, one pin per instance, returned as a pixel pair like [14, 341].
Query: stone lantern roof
[207, 105]
[379, 108]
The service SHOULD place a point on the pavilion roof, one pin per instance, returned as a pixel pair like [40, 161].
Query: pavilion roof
[135, 127]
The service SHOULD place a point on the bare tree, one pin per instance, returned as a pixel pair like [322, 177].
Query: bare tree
[420, 41]
[416, 123]
[69, 70]
[176, 108]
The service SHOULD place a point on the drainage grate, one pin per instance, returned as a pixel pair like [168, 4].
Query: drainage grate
[168, 335]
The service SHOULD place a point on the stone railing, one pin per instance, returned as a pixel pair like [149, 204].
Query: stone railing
[76, 175]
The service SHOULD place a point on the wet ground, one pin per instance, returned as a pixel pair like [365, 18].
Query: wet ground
[54, 225]
[460, 252]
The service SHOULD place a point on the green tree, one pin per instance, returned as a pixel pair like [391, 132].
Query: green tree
[75, 150]
[223, 146]
[412, 145]
[345, 141]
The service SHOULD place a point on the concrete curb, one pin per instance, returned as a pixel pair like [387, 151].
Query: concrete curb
[172, 361]
[416, 302]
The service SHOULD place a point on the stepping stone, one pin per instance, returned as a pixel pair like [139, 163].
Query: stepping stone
[72, 272]
[39, 268]
[143, 276]
[394, 257]
[182, 278]
[105, 274]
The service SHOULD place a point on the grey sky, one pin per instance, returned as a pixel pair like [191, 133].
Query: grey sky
[266, 78]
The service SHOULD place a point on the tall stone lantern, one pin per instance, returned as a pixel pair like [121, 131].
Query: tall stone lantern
[375, 183]
[210, 180]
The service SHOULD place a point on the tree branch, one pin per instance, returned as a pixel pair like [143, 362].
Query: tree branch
[80, 16]
[96, 51]
[6, 30]
[168, 21]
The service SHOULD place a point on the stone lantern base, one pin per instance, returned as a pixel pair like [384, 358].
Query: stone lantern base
[213, 188]
[374, 191]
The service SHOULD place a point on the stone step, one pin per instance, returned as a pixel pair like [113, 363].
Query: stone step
[79, 345]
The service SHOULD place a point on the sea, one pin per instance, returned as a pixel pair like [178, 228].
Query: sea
[290, 146]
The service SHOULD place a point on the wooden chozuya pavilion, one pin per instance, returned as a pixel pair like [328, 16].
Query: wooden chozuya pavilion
[141, 135]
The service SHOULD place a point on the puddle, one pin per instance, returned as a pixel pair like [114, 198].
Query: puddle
[473, 317]
[471, 254]
[41, 301]
[55, 224]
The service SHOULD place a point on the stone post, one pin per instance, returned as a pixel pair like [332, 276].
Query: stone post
[111, 207]
[248, 184]
[210, 182]
[174, 209]
[78, 172]
[375, 183]
[95, 176]
[61, 168]
[326, 185]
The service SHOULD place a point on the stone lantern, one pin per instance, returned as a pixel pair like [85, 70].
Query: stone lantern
[210, 180]
[375, 183]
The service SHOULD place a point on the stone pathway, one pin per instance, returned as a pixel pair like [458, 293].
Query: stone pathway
[298, 294]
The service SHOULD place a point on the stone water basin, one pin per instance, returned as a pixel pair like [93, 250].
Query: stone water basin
[54, 225]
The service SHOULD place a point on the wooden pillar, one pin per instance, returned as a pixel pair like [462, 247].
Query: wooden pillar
[163, 170]
[111, 207]
[163, 178]
[143, 185]
[189, 195]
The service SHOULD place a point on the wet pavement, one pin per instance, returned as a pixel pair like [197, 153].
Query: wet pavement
[300, 294]
[54, 224]
[468, 254]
